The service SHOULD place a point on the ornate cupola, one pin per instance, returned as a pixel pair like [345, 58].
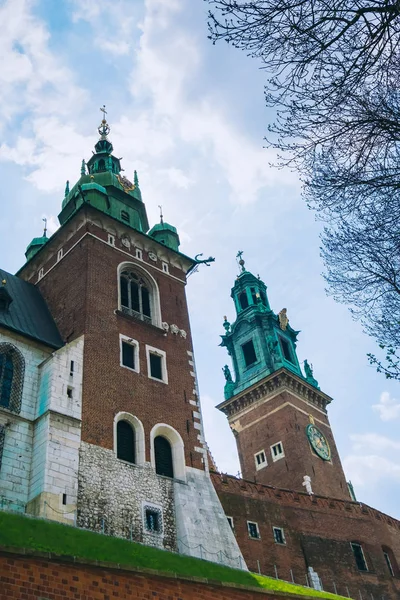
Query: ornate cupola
[102, 185]
[165, 233]
[259, 341]
[37, 243]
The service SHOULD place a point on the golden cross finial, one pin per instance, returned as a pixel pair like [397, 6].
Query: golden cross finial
[103, 110]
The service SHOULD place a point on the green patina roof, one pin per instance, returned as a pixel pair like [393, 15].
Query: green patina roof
[35, 246]
[163, 227]
[27, 313]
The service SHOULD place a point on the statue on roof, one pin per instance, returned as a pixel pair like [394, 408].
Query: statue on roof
[283, 319]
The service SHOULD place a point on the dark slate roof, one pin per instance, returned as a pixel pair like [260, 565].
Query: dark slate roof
[28, 313]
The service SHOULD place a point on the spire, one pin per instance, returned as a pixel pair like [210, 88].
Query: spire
[161, 215]
[104, 128]
[66, 189]
[136, 179]
[241, 261]
[83, 168]
[45, 227]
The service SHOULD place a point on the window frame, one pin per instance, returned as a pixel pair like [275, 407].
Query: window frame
[163, 356]
[352, 545]
[157, 508]
[231, 523]
[280, 529]
[150, 283]
[14, 403]
[264, 463]
[252, 537]
[140, 445]
[60, 254]
[135, 344]
[281, 454]
[133, 449]
[283, 340]
[165, 267]
[111, 239]
[250, 365]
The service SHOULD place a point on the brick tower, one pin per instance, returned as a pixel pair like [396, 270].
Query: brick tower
[119, 288]
[277, 414]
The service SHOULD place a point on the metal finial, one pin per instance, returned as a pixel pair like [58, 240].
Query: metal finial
[161, 215]
[240, 261]
[66, 189]
[136, 179]
[45, 227]
[104, 128]
[83, 167]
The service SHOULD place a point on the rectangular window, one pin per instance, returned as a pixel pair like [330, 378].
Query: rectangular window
[111, 240]
[153, 520]
[277, 451]
[60, 254]
[165, 267]
[71, 368]
[41, 273]
[279, 536]
[389, 564]
[139, 254]
[230, 521]
[64, 499]
[249, 354]
[253, 530]
[260, 460]
[129, 353]
[285, 346]
[359, 556]
[69, 392]
[156, 364]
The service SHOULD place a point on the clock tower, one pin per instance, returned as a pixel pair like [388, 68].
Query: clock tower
[277, 414]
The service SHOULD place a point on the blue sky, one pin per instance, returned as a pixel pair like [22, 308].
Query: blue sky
[190, 117]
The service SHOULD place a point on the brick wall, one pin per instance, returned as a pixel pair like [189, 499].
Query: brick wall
[29, 578]
[318, 533]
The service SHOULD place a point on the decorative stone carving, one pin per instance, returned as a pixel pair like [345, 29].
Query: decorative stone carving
[183, 334]
[152, 256]
[165, 326]
[283, 319]
[174, 329]
[307, 484]
[125, 241]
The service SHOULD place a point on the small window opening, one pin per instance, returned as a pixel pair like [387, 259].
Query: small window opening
[230, 521]
[286, 349]
[139, 254]
[163, 456]
[125, 216]
[254, 295]
[64, 499]
[60, 254]
[69, 392]
[260, 459]
[41, 273]
[71, 368]
[359, 556]
[243, 300]
[249, 353]
[101, 165]
[253, 530]
[153, 520]
[165, 267]
[111, 240]
[156, 366]
[389, 564]
[279, 536]
[277, 451]
[128, 355]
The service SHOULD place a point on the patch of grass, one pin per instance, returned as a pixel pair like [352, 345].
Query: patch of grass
[46, 536]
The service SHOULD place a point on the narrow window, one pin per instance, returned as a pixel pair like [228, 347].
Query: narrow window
[249, 353]
[111, 240]
[139, 254]
[152, 519]
[230, 521]
[125, 441]
[71, 368]
[41, 273]
[128, 355]
[6, 379]
[125, 216]
[156, 366]
[69, 392]
[60, 254]
[260, 460]
[359, 556]
[64, 499]
[163, 456]
[389, 564]
[279, 536]
[243, 300]
[135, 296]
[253, 295]
[277, 451]
[253, 530]
[165, 267]
[12, 369]
[101, 165]
[286, 349]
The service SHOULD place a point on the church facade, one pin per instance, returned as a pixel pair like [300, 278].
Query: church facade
[100, 416]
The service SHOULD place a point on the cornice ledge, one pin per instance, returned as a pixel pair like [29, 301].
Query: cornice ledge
[275, 382]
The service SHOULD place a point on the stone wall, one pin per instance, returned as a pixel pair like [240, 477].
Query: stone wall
[112, 495]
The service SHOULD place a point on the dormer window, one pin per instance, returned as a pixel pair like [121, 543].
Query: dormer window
[101, 165]
[286, 349]
[249, 353]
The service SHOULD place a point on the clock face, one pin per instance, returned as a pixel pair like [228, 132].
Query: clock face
[318, 441]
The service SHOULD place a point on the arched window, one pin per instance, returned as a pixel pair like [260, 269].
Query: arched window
[12, 367]
[163, 456]
[243, 300]
[125, 441]
[101, 165]
[135, 296]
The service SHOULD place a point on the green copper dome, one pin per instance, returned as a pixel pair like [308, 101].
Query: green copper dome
[35, 246]
[165, 234]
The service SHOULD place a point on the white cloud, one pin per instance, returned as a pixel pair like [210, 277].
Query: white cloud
[388, 407]
[374, 457]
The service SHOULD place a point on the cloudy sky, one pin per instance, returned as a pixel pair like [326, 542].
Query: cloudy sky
[190, 117]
